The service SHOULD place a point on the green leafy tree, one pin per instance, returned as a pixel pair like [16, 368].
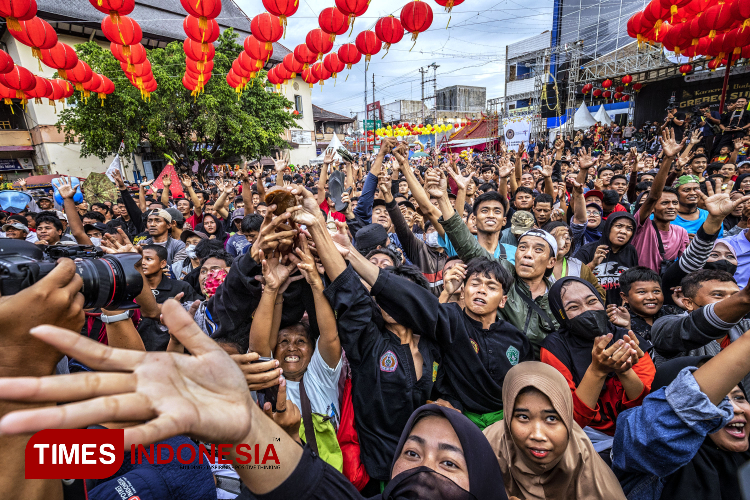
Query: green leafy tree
[214, 127]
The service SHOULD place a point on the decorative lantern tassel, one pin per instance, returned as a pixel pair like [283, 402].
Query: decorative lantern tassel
[115, 16]
[126, 50]
[202, 22]
[269, 46]
[351, 23]
[387, 48]
[13, 24]
[10, 103]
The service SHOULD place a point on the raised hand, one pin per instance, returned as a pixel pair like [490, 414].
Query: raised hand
[281, 162]
[166, 181]
[341, 239]
[147, 183]
[669, 145]
[65, 189]
[454, 278]
[258, 374]
[274, 272]
[547, 166]
[306, 202]
[436, 184]
[615, 358]
[720, 204]
[600, 254]
[618, 315]
[696, 136]
[306, 264]
[119, 243]
[739, 143]
[329, 155]
[272, 235]
[585, 160]
[505, 168]
[118, 180]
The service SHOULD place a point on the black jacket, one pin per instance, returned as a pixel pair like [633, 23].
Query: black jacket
[155, 335]
[475, 361]
[385, 389]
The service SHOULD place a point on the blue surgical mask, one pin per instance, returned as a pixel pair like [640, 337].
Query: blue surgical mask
[97, 242]
[191, 251]
[431, 239]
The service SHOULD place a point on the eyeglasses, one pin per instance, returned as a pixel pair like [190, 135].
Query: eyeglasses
[592, 213]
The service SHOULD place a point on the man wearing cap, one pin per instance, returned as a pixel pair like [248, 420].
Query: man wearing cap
[45, 203]
[95, 232]
[15, 231]
[521, 222]
[159, 225]
[178, 222]
[689, 216]
[191, 238]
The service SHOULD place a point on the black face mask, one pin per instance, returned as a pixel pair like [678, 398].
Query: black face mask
[589, 325]
[423, 483]
[722, 265]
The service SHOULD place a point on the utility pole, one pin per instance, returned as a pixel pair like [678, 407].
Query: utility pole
[364, 114]
[423, 71]
[374, 117]
[434, 89]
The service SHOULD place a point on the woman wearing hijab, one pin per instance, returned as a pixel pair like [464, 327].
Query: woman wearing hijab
[613, 254]
[690, 436]
[607, 367]
[543, 453]
[566, 265]
[735, 217]
[213, 227]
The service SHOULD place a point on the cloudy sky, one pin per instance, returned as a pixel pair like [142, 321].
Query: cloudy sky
[470, 52]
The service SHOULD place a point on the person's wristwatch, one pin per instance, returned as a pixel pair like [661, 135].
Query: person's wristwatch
[115, 317]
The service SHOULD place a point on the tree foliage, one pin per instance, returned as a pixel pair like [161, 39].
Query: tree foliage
[211, 128]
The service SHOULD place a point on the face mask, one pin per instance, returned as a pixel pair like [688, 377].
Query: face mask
[423, 482]
[431, 239]
[191, 251]
[589, 325]
[722, 265]
[97, 242]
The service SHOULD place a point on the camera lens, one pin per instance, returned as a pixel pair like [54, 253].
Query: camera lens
[111, 281]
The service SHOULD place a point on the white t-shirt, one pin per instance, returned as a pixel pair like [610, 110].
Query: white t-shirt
[322, 385]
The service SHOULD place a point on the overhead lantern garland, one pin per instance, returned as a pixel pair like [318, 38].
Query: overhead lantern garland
[202, 31]
[319, 43]
[104, 89]
[61, 57]
[17, 10]
[389, 31]
[333, 22]
[79, 75]
[309, 77]
[19, 79]
[42, 89]
[368, 44]
[114, 8]
[320, 72]
[267, 28]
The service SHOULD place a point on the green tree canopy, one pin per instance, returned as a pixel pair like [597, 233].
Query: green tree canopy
[209, 128]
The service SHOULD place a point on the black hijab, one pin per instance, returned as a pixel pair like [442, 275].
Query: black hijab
[220, 233]
[712, 471]
[574, 351]
[485, 479]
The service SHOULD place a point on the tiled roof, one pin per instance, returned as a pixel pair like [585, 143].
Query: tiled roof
[474, 130]
[322, 115]
[157, 18]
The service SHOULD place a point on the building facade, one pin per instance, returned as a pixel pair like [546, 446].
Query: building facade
[328, 123]
[29, 140]
[461, 99]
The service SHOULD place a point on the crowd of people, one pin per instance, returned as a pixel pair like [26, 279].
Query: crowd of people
[561, 322]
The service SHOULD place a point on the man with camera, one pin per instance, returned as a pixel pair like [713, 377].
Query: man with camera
[675, 120]
[734, 124]
[709, 124]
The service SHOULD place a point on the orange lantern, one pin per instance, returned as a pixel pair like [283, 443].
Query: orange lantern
[416, 17]
[319, 43]
[17, 10]
[126, 32]
[61, 57]
[198, 51]
[389, 31]
[202, 9]
[333, 22]
[352, 8]
[292, 65]
[80, 74]
[37, 34]
[348, 54]
[333, 64]
[281, 8]
[208, 34]
[267, 28]
[368, 44]
[257, 50]
[303, 54]
[308, 77]
[19, 79]
[115, 8]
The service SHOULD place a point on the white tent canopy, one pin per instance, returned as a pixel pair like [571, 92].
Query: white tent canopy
[583, 119]
[335, 144]
[602, 116]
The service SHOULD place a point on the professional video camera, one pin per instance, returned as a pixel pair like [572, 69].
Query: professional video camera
[108, 280]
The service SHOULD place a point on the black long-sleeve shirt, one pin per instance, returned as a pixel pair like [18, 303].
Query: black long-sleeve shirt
[385, 388]
[475, 360]
[136, 224]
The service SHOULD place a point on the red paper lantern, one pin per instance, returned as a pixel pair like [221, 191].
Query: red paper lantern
[80, 74]
[735, 39]
[292, 65]
[673, 5]
[637, 87]
[267, 28]
[619, 88]
[19, 79]
[389, 31]
[274, 78]
[6, 62]
[333, 22]
[115, 8]
[105, 88]
[281, 8]
[232, 80]
[303, 54]
[625, 98]
[319, 42]
[37, 34]
[679, 38]
[627, 79]
[61, 57]
[91, 85]
[686, 68]
[696, 8]
[320, 72]
[126, 32]
[239, 70]
[654, 14]
[352, 8]
[141, 70]
[17, 10]
[206, 9]
[208, 34]
[638, 26]
[248, 63]
[308, 77]
[333, 64]
[715, 19]
[368, 44]
[257, 50]
[607, 94]
[587, 88]
[741, 12]
[416, 17]
[597, 92]
[42, 89]
[282, 72]
[136, 53]
[713, 64]
[617, 95]
[607, 83]
[198, 51]
[67, 88]
[348, 54]
[449, 4]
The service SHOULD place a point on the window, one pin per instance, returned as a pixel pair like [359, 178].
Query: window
[298, 104]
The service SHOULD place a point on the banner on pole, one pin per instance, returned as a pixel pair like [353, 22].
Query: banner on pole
[517, 129]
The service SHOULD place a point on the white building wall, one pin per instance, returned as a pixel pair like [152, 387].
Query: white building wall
[305, 152]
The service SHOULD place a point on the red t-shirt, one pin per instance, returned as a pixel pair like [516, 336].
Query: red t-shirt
[336, 215]
[194, 220]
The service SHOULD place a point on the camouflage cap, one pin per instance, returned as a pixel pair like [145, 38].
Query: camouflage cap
[521, 222]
